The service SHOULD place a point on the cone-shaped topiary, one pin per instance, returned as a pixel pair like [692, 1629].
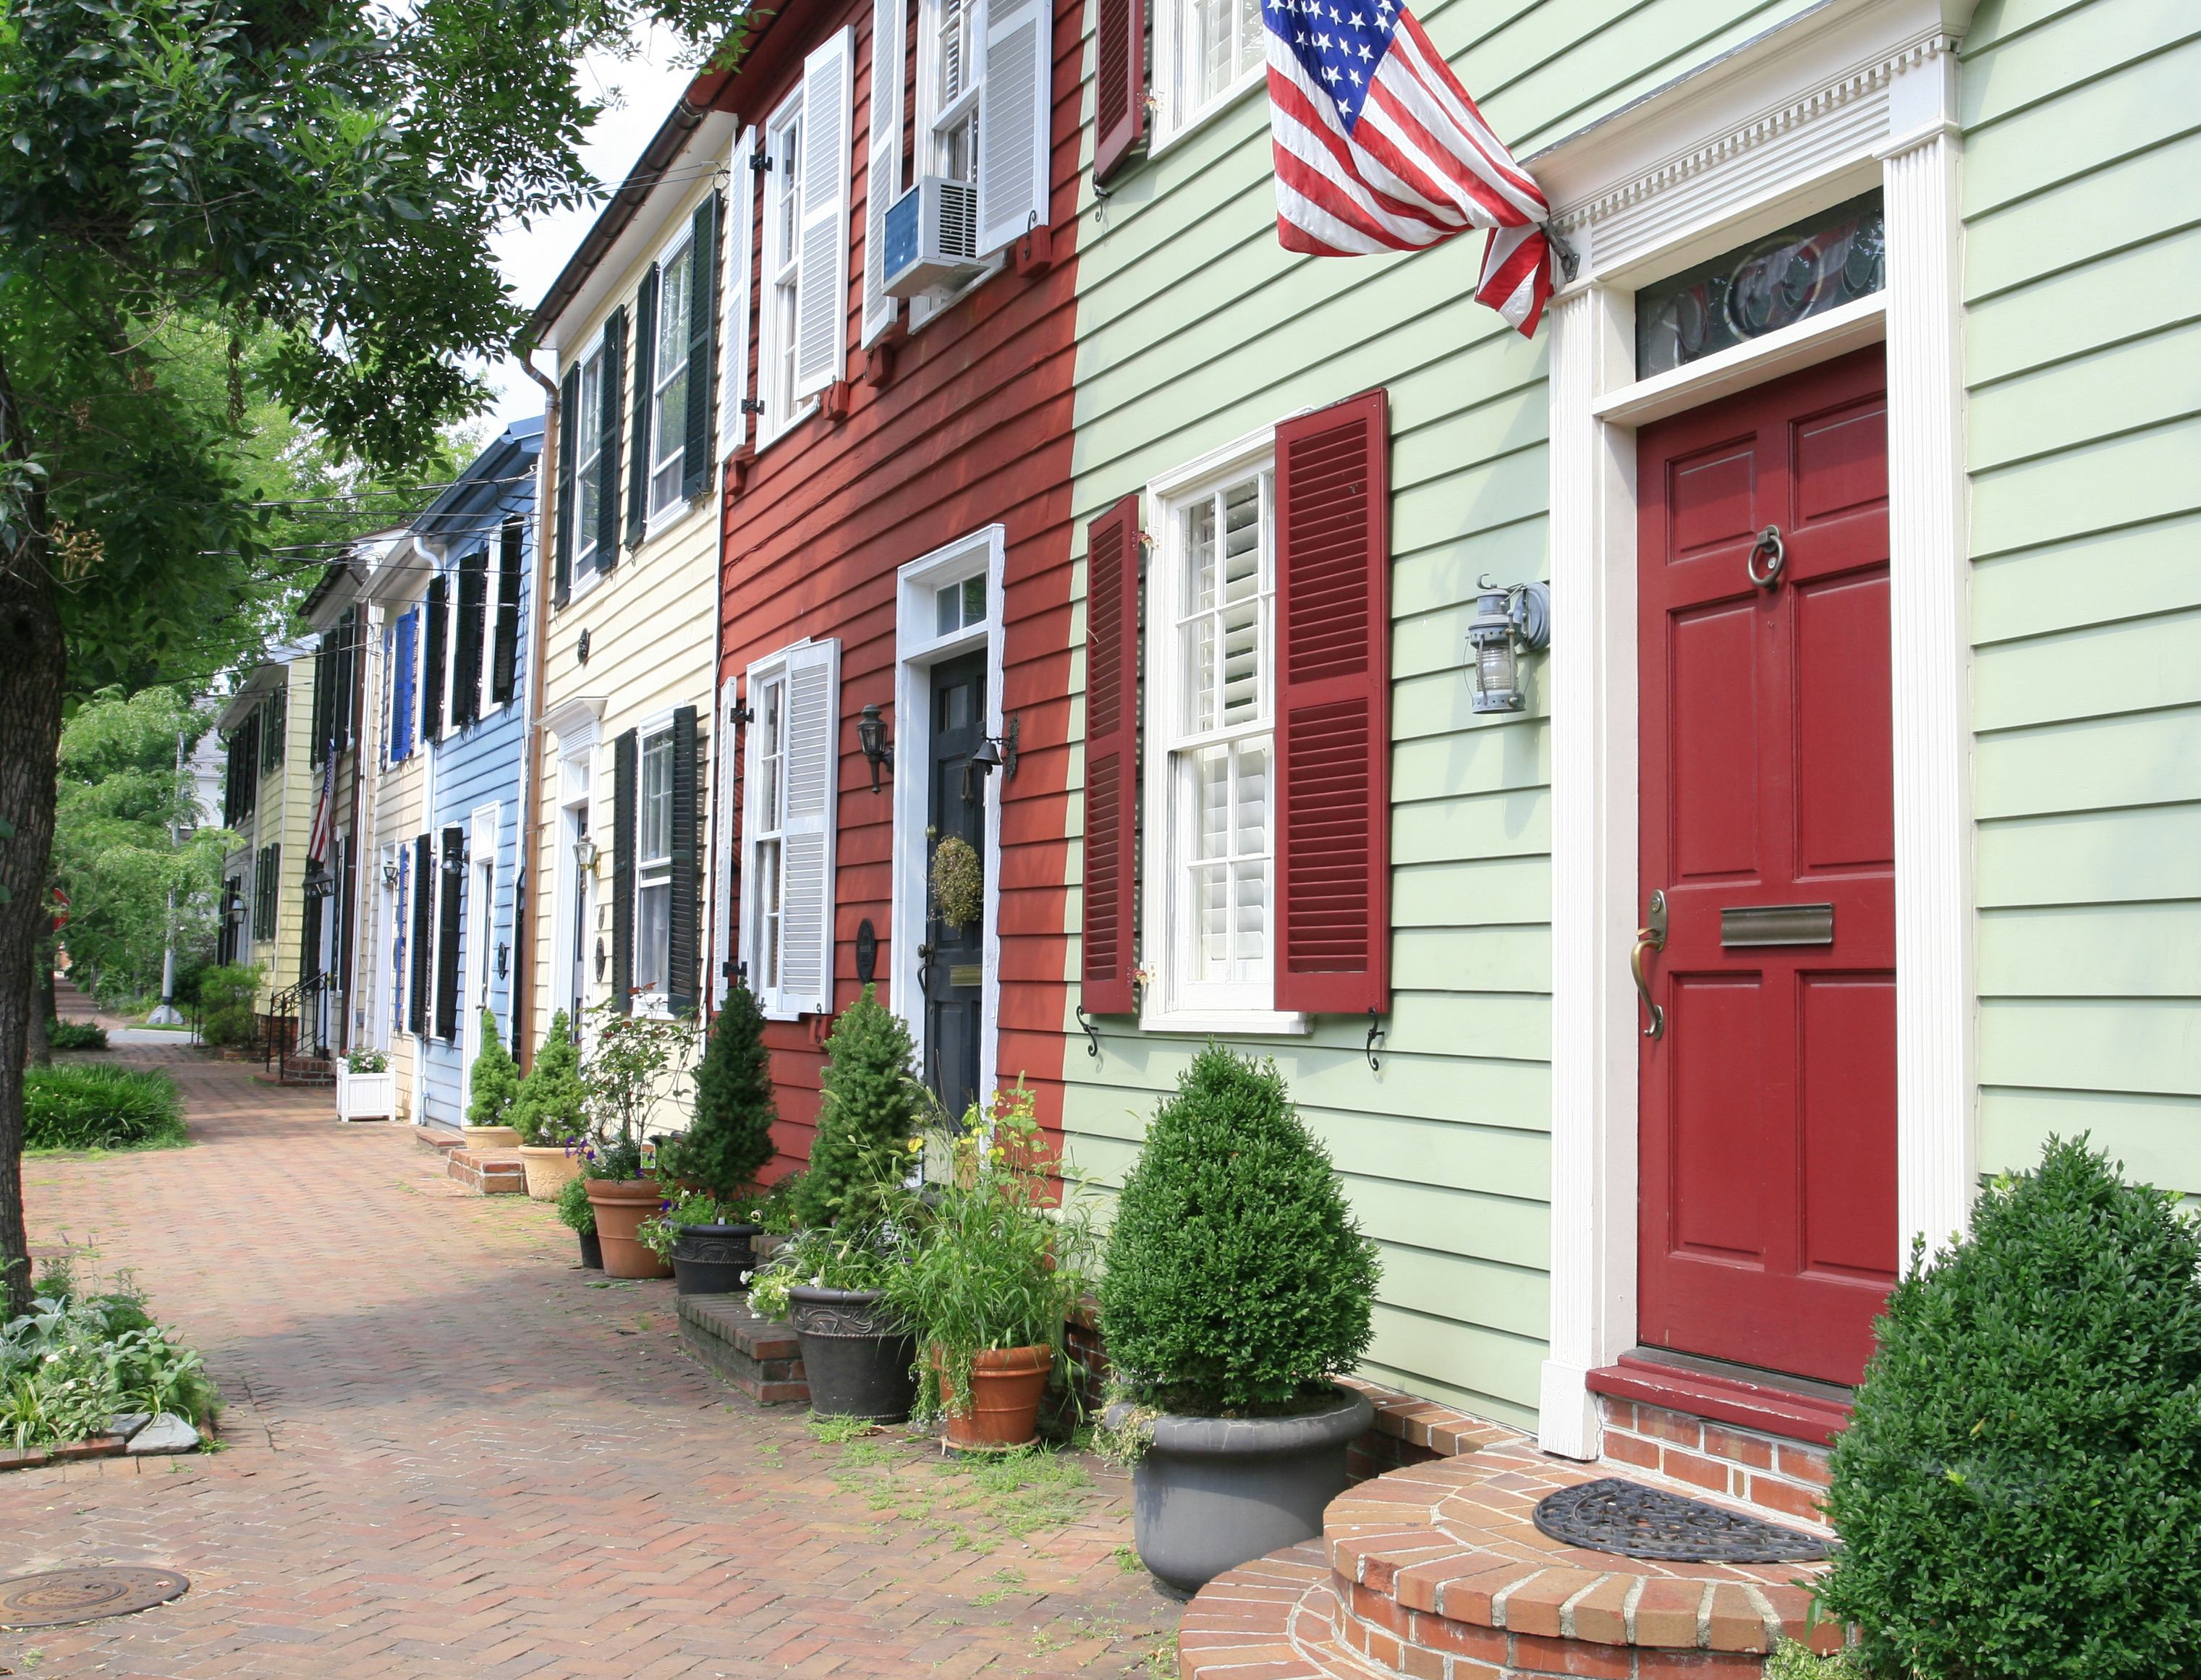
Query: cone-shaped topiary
[729, 1141]
[2019, 1492]
[496, 1078]
[1237, 1278]
[551, 1107]
[869, 1112]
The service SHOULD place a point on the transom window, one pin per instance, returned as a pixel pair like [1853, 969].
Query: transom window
[588, 451]
[959, 606]
[669, 401]
[779, 320]
[1210, 51]
[653, 910]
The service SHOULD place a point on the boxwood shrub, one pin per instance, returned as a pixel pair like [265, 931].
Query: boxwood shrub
[76, 1105]
[2019, 1493]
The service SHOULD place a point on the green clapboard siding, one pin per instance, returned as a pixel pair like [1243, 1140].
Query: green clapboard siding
[2084, 361]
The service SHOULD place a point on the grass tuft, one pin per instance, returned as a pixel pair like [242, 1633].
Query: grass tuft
[78, 1106]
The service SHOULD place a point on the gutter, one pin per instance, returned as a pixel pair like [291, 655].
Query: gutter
[529, 838]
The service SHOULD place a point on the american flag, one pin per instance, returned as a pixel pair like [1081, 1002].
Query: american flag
[325, 812]
[1379, 149]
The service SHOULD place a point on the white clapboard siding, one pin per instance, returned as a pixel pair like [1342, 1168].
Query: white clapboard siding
[1012, 122]
[821, 329]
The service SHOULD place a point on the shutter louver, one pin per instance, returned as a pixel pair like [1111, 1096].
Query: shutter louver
[624, 754]
[740, 242]
[607, 462]
[424, 900]
[466, 661]
[1112, 756]
[645, 387]
[569, 423]
[1119, 84]
[324, 671]
[431, 665]
[821, 284]
[406, 684]
[504, 665]
[681, 913]
[1332, 709]
[881, 163]
[1014, 118]
[702, 336]
[813, 792]
[450, 905]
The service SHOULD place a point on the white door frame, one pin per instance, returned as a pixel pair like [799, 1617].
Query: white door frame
[918, 648]
[1857, 94]
[579, 724]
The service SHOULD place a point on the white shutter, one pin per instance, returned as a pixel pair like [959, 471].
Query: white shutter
[882, 163]
[813, 787]
[821, 330]
[1014, 120]
[726, 785]
[734, 340]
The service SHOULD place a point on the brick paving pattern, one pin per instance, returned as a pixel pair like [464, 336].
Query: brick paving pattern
[452, 1451]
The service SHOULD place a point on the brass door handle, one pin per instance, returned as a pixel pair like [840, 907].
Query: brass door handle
[1652, 937]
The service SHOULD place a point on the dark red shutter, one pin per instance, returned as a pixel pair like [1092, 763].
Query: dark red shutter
[1111, 758]
[1119, 84]
[1332, 709]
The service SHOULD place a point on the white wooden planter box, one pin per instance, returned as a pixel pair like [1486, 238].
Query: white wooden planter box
[366, 1096]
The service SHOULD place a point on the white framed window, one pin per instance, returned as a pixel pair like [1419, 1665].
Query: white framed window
[1206, 53]
[950, 102]
[588, 458]
[653, 868]
[791, 800]
[780, 317]
[1210, 867]
[668, 403]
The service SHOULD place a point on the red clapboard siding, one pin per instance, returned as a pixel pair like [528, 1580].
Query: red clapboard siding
[1112, 675]
[1333, 707]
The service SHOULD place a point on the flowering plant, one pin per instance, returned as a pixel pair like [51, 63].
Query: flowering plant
[365, 1060]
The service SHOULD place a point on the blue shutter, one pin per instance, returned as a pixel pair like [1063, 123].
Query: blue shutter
[401, 721]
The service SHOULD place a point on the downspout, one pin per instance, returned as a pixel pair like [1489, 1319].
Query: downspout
[530, 731]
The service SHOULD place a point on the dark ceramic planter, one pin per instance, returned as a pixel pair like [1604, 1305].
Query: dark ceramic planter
[1211, 1493]
[713, 1259]
[592, 1252]
[857, 1356]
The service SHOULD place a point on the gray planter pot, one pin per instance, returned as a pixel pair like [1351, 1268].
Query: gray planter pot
[713, 1259]
[857, 1356]
[1211, 1493]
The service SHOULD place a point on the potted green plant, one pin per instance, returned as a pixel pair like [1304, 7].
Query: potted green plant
[997, 1266]
[633, 1062]
[578, 1214]
[551, 1113]
[829, 1283]
[706, 1243]
[1237, 1286]
[496, 1085]
[726, 1145]
[366, 1088]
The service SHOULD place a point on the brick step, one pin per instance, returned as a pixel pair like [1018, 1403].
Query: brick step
[1275, 1618]
[487, 1172]
[762, 1359]
[440, 1140]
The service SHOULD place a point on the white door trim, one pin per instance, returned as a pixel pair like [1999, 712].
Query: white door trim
[918, 648]
[1851, 94]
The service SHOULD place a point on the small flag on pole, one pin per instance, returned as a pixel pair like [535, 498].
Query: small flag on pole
[1379, 149]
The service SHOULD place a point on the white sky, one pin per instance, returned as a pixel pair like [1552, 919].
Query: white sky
[531, 257]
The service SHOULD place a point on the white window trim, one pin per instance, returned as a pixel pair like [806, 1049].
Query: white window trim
[918, 647]
[577, 723]
[772, 426]
[776, 665]
[1846, 97]
[929, 307]
[1164, 134]
[585, 572]
[657, 523]
[1164, 494]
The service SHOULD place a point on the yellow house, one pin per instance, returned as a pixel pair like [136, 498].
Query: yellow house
[268, 802]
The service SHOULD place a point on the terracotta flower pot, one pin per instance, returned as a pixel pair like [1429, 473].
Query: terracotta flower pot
[1007, 1387]
[621, 1206]
[549, 1171]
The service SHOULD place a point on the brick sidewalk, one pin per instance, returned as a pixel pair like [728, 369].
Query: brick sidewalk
[452, 1456]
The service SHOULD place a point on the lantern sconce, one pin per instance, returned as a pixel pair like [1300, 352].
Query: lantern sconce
[1509, 621]
[871, 737]
[1000, 750]
[584, 856]
[503, 961]
[390, 876]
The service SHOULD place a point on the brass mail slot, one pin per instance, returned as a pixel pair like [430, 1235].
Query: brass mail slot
[1778, 924]
[965, 973]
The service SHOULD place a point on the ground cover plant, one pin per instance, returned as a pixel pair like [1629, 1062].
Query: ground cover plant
[83, 1355]
[2019, 1491]
[75, 1036]
[75, 1106]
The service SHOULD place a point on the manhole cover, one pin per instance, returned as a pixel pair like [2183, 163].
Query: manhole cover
[1613, 1515]
[66, 1595]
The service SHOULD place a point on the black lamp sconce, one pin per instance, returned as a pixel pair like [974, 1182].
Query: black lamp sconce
[999, 749]
[600, 959]
[390, 875]
[871, 737]
[581, 649]
[503, 961]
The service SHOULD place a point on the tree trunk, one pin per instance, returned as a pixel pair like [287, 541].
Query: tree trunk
[33, 660]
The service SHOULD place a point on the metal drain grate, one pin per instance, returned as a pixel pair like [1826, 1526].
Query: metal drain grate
[65, 1595]
[1613, 1515]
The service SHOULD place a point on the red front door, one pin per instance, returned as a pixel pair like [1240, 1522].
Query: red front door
[1768, 1102]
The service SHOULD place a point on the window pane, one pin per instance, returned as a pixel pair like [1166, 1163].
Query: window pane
[767, 889]
[1224, 638]
[974, 601]
[655, 840]
[950, 604]
[652, 934]
[770, 755]
[1230, 869]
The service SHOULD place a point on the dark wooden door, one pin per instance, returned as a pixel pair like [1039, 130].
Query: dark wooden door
[1768, 1221]
[954, 954]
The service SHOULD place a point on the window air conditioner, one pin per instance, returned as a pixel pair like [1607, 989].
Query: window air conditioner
[931, 242]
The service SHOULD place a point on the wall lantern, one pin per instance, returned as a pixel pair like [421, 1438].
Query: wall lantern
[1508, 621]
[1000, 750]
[390, 875]
[503, 961]
[871, 737]
[322, 885]
[584, 856]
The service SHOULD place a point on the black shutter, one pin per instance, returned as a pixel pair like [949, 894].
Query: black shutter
[504, 667]
[703, 344]
[431, 661]
[645, 383]
[569, 423]
[450, 901]
[310, 932]
[424, 903]
[277, 713]
[623, 763]
[466, 661]
[681, 915]
[607, 459]
[347, 918]
[341, 733]
[323, 669]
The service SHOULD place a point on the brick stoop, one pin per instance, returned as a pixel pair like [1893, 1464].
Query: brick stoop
[487, 1172]
[442, 1140]
[1437, 1572]
[760, 1358]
